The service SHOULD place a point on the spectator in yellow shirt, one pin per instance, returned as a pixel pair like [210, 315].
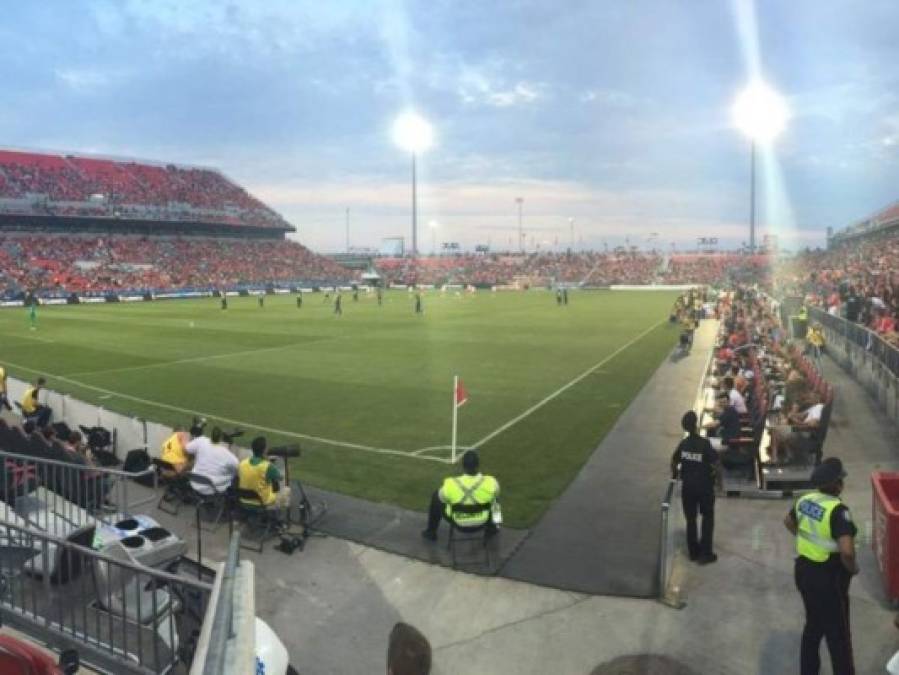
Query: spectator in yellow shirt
[173, 454]
[32, 408]
[4, 399]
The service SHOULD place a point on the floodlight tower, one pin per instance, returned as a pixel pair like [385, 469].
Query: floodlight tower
[761, 114]
[413, 133]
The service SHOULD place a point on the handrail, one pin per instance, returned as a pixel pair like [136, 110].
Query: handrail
[222, 622]
[664, 562]
[861, 336]
[69, 465]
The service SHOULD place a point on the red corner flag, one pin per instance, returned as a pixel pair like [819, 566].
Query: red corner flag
[461, 394]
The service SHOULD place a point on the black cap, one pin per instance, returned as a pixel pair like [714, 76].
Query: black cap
[196, 431]
[828, 472]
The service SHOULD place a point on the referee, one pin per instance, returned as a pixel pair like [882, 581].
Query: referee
[825, 544]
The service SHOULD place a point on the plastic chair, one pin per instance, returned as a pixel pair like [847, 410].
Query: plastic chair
[216, 499]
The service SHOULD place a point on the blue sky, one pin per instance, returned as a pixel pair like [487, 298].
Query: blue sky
[615, 114]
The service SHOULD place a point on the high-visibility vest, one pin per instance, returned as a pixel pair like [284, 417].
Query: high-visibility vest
[803, 313]
[254, 477]
[470, 490]
[813, 536]
[29, 401]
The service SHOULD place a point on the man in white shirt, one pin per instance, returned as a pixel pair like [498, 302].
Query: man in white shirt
[213, 460]
[799, 434]
[735, 397]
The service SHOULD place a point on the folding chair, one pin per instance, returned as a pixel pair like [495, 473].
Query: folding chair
[177, 490]
[459, 533]
[263, 522]
[217, 500]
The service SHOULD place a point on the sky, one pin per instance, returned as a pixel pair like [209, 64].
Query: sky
[614, 114]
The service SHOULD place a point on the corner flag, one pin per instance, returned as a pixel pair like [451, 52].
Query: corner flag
[461, 394]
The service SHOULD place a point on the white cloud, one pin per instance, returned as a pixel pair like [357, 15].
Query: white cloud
[476, 87]
[613, 98]
[88, 79]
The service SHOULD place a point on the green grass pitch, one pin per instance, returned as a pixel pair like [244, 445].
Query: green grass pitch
[369, 394]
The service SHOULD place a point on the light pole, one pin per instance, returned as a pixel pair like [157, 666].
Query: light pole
[761, 114]
[348, 229]
[571, 227]
[520, 201]
[413, 133]
[433, 225]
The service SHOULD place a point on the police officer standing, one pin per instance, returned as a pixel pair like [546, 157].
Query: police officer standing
[825, 544]
[696, 462]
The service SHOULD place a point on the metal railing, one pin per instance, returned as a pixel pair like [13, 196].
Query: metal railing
[223, 621]
[666, 549]
[860, 336]
[78, 493]
[122, 617]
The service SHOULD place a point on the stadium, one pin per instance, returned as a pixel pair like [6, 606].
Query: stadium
[606, 423]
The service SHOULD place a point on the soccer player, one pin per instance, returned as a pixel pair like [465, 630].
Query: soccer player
[355, 294]
[418, 308]
[380, 296]
[262, 301]
[33, 313]
[224, 301]
[300, 300]
[559, 297]
[338, 310]
[564, 296]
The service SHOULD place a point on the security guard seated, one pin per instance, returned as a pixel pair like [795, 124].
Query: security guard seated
[32, 409]
[257, 474]
[471, 488]
[825, 564]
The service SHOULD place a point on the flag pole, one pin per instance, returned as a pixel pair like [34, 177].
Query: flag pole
[455, 415]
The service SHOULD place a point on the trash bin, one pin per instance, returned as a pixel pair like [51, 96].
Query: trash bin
[885, 506]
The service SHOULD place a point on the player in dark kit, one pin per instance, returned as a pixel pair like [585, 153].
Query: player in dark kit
[696, 463]
[380, 296]
[564, 296]
[355, 295]
[224, 302]
[337, 307]
[418, 309]
[559, 297]
[300, 300]
[262, 301]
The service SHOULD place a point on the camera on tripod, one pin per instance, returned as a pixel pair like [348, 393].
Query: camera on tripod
[229, 437]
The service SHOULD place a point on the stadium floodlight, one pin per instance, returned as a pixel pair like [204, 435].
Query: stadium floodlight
[761, 114]
[414, 134]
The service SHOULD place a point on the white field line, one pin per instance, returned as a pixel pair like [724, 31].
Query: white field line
[196, 359]
[240, 423]
[565, 387]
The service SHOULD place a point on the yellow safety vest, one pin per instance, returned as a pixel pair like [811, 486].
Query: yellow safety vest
[2, 381]
[803, 313]
[254, 477]
[29, 401]
[813, 536]
[467, 489]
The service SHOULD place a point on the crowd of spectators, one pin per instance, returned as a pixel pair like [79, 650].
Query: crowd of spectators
[857, 279]
[59, 265]
[67, 185]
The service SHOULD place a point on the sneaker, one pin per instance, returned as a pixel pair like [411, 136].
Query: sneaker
[707, 559]
[429, 535]
[694, 557]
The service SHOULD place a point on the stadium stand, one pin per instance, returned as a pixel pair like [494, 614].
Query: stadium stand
[35, 186]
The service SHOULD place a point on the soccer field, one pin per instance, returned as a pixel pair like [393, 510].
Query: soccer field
[369, 394]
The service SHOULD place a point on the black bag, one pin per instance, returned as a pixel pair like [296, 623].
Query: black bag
[62, 430]
[96, 437]
[137, 461]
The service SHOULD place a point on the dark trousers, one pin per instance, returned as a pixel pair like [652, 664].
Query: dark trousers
[437, 512]
[825, 594]
[704, 503]
[41, 416]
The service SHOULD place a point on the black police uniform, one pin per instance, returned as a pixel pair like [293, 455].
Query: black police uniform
[697, 460]
[824, 587]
